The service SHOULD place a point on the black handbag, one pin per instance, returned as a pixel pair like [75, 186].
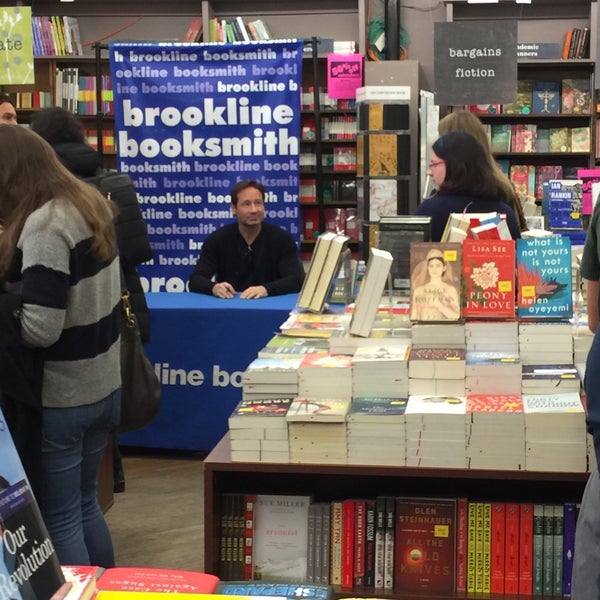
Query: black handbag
[140, 387]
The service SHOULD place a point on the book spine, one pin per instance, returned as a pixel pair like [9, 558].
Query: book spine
[335, 570]
[511, 554]
[318, 539]
[359, 543]
[479, 535]
[487, 542]
[249, 500]
[379, 541]
[389, 542]
[310, 544]
[558, 519]
[526, 549]
[462, 527]
[347, 543]
[538, 549]
[370, 543]
[548, 555]
[498, 542]
[471, 543]
[570, 519]
[326, 546]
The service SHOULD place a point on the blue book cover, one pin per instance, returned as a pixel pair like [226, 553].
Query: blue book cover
[546, 97]
[305, 591]
[565, 199]
[570, 519]
[544, 278]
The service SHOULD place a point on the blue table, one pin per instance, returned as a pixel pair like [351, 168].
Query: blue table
[201, 345]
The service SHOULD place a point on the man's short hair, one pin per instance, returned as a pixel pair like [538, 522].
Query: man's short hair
[242, 185]
[6, 98]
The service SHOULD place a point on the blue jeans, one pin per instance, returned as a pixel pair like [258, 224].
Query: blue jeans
[73, 442]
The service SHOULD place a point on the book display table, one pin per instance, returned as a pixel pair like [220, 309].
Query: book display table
[200, 347]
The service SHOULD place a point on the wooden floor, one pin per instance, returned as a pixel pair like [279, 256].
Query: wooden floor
[158, 520]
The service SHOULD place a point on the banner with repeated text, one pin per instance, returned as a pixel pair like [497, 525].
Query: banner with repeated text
[193, 119]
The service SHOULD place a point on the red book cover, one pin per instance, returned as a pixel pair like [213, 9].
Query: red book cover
[425, 549]
[507, 403]
[146, 579]
[359, 543]
[80, 581]
[526, 549]
[347, 543]
[511, 554]
[488, 269]
[249, 500]
[497, 548]
[462, 518]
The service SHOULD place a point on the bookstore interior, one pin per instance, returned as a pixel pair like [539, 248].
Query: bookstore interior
[416, 427]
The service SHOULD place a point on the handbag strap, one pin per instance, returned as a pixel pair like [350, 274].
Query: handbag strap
[125, 299]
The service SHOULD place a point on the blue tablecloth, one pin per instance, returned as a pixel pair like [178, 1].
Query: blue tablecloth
[201, 345]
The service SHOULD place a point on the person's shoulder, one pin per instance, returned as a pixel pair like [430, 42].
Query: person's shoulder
[276, 230]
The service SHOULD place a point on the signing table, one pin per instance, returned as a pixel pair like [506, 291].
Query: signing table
[200, 347]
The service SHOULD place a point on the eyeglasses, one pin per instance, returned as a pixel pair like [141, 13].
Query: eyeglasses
[435, 163]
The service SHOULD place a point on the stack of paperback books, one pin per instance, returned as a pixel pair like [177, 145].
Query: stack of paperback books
[436, 371]
[487, 336]
[435, 431]
[495, 432]
[550, 379]
[258, 430]
[547, 343]
[271, 378]
[438, 335]
[317, 430]
[380, 371]
[555, 438]
[376, 431]
[325, 376]
[493, 372]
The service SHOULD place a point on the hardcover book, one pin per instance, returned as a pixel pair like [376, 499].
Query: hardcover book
[425, 544]
[590, 188]
[560, 139]
[385, 154]
[380, 116]
[544, 278]
[576, 96]
[488, 270]
[29, 566]
[151, 579]
[435, 291]
[522, 105]
[546, 97]
[523, 179]
[380, 197]
[280, 537]
[544, 173]
[501, 137]
[304, 590]
[580, 139]
[565, 198]
[523, 137]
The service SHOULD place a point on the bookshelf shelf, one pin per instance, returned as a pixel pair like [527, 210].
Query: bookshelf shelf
[329, 482]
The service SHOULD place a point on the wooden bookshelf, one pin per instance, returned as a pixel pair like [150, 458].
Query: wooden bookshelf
[328, 482]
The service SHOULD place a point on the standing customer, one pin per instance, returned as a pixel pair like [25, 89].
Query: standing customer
[58, 246]
[586, 565]
[465, 182]
[251, 257]
[465, 120]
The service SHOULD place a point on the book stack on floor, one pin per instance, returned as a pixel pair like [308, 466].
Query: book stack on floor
[380, 371]
[317, 429]
[435, 431]
[490, 372]
[550, 379]
[495, 432]
[436, 371]
[258, 430]
[376, 431]
[546, 343]
[555, 438]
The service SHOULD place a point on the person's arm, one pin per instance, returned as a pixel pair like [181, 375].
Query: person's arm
[205, 269]
[592, 288]
[291, 272]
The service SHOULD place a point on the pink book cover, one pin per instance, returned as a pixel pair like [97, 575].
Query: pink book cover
[507, 403]
[588, 177]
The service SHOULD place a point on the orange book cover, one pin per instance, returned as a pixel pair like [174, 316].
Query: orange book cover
[498, 542]
[526, 549]
[511, 554]
[567, 44]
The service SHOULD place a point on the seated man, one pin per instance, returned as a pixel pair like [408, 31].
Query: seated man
[254, 258]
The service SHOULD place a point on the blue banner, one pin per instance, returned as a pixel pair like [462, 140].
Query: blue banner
[191, 121]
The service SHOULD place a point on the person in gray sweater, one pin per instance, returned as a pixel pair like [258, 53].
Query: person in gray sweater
[58, 249]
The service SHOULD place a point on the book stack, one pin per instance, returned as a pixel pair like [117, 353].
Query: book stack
[495, 432]
[550, 379]
[317, 430]
[292, 346]
[555, 433]
[375, 430]
[489, 336]
[436, 372]
[438, 335]
[325, 376]
[304, 324]
[258, 430]
[271, 378]
[490, 372]
[389, 330]
[380, 371]
[546, 343]
[435, 431]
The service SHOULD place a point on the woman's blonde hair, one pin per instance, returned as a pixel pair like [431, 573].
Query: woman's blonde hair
[464, 120]
[32, 175]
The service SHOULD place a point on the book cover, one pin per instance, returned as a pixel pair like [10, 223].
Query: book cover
[359, 542]
[280, 537]
[523, 180]
[544, 278]
[523, 137]
[151, 579]
[29, 566]
[565, 199]
[471, 543]
[194, 31]
[304, 409]
[304, 590]
[263, 412]
[425, 544]
[580, 139]
[560, 139]
[590, 178]
[576, 96]
[538, 549]
[462, 528]
[249, 500]
[379, 541]
[347, 543]
[435, 291]
[557, 567]
[544, 173]
[522, 105]
[80, 581]
[501, 137]
[546, 97]
[548, 551]
[497, 547]
[389, 544]
[488, 270]
[380, 116]
[479, 536]
[386, 154]
[370, 516]
[511, 554]
[336, 543]
[569, 523]
[526, 548]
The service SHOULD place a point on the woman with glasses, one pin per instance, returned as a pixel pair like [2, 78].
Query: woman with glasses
[465, 182]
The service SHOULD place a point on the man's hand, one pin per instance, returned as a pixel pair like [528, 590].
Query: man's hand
[255, 291]
[223, 290]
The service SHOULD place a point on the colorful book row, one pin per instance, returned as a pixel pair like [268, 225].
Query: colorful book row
[56, 36]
